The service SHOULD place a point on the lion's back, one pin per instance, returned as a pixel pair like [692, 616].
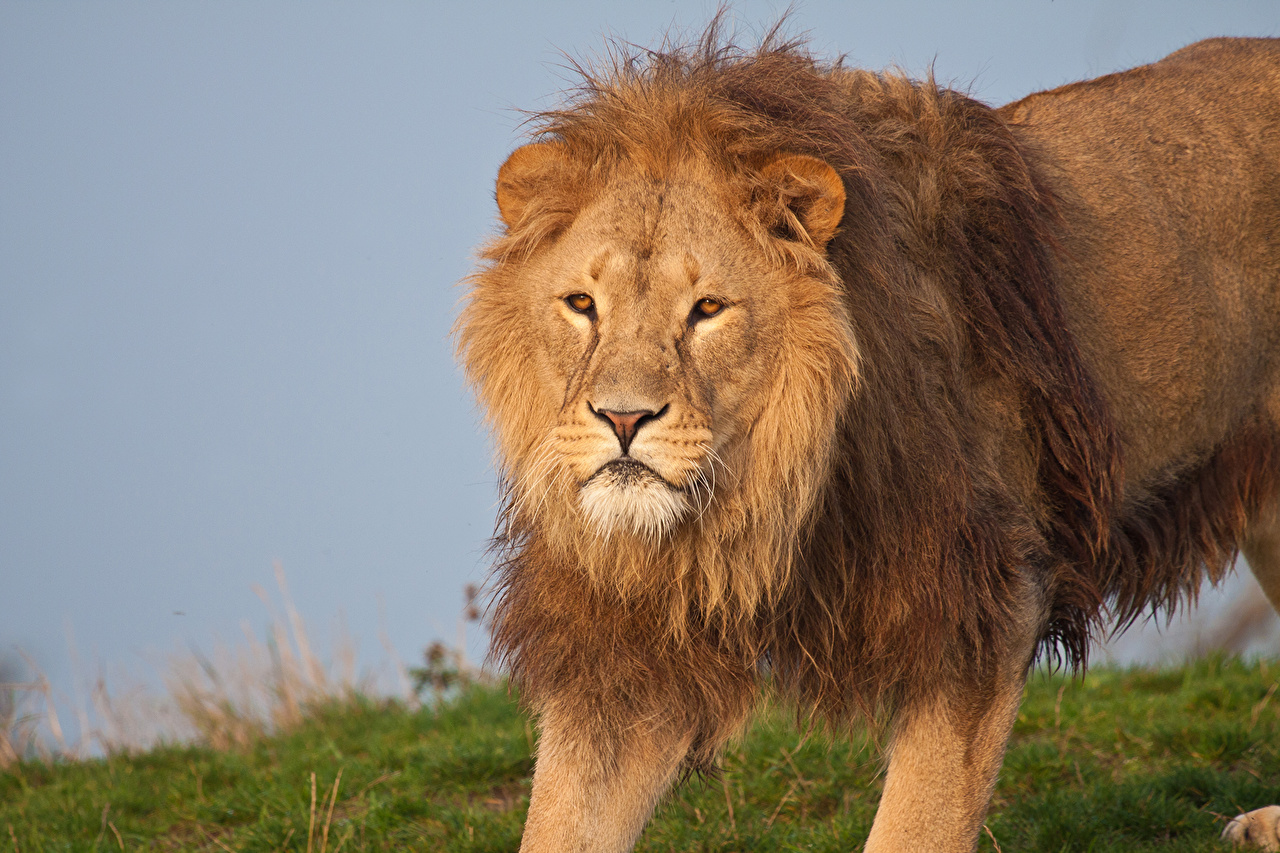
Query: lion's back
[1168, 181]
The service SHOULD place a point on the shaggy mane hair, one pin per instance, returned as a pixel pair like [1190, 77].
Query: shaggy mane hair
[913, 535]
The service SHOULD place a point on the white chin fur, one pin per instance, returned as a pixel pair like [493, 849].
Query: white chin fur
[644, 506]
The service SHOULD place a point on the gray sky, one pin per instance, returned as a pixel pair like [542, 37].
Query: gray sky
[229, 239]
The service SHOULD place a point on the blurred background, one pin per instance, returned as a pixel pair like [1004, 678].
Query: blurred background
[230, 237]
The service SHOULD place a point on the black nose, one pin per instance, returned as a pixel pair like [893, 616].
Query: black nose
[625, 424]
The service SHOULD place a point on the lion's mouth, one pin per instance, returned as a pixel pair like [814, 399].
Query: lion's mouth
[626, 471]
[626, 494]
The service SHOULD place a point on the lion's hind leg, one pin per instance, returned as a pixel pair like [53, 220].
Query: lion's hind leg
[1260, 828]
[1261, 548]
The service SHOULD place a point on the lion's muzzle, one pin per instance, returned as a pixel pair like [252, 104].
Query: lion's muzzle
[628, 496]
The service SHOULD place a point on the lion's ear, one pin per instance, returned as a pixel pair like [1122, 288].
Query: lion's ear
[811, 195]
[528, 172]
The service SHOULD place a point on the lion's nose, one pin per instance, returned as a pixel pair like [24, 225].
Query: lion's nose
[625, 424]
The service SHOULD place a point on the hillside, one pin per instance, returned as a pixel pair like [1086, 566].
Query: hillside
[1121, 761]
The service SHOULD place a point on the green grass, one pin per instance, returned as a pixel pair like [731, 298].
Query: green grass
[1121, 761]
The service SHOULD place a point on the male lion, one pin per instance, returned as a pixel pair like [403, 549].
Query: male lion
[852, 380]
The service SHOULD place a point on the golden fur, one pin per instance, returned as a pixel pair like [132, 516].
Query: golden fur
[956, 387]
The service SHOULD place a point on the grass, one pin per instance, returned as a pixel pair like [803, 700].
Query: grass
[1122, 761]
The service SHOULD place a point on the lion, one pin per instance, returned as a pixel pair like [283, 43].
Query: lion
[854, 385]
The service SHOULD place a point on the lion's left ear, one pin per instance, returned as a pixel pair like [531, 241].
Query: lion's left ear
[811, 195]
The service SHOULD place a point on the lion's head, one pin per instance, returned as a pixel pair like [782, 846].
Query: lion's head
[660, 343]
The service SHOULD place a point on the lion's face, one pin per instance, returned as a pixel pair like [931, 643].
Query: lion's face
[657, 326]
[654, 313]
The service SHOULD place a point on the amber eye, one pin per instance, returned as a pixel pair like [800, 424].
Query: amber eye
[580, 302]
[708, 307]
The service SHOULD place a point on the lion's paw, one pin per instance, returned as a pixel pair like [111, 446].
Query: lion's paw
[1259, 828]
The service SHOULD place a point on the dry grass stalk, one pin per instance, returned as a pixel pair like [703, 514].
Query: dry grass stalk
[328, 818]
[255, 687]
[20, 730]
[226, 699]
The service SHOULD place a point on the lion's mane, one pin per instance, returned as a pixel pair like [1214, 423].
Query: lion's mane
[894, 548]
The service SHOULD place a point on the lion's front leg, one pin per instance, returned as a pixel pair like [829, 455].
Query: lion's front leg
[596, 783]
[942, 769]
[944, 757]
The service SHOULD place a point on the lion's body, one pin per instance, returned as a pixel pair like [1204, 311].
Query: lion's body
[1171, 250]
[863, 381]
[1168, 184]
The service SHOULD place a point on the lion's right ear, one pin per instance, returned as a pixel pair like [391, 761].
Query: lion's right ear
[527, 174]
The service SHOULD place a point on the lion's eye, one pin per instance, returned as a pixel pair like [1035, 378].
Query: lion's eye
[580, 302]
[707, 307]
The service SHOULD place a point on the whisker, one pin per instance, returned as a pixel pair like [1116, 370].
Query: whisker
[712, 458]
[549, 488]
[523, 487]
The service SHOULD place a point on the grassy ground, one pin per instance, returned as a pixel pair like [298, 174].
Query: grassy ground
[1123, 761]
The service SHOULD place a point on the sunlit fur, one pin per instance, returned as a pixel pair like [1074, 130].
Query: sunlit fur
[929, 443]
